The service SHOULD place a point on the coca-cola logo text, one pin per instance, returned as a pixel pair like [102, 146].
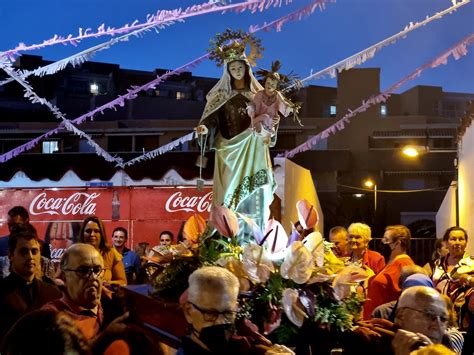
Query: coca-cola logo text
[79, 203]
[176, 202]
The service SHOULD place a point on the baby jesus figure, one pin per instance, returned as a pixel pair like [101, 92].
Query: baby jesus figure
[268, 103]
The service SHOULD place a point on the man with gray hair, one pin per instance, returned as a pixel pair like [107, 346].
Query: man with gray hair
[422, 316]
[421, 319]
[210, 309]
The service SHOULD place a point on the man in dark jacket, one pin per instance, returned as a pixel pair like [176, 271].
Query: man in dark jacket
[22, 291]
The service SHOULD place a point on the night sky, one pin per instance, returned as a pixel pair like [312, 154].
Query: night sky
[344, 28]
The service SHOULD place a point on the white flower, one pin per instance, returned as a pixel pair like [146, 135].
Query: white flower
[298, 263]
[256, 263]
[345, 281]
[292, 308]
[314, 243]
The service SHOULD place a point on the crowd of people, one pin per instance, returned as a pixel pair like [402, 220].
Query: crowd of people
[74, 308]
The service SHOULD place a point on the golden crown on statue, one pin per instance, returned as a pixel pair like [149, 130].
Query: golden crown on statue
[230, 46]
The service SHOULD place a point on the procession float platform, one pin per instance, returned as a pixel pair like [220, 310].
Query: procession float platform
[160, 319]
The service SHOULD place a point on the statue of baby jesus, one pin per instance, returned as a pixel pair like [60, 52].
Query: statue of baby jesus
[268, 103]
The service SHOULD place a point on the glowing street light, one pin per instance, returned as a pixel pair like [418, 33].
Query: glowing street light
[371, 184]
[410, 152]
[413, 151]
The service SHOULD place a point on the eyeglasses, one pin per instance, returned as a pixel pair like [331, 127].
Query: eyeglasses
[212, 315]
[86, 272]
[430, 316]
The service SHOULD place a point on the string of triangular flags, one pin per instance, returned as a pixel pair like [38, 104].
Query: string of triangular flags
[132, 93]
[349, 62]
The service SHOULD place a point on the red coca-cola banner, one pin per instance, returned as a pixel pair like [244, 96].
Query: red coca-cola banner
[145, 212]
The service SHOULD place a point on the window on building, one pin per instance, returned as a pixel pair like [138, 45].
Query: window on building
[332, 110]
[157, 92]
[50, 147]
[383, 110]
[94, 89]
[180, 95]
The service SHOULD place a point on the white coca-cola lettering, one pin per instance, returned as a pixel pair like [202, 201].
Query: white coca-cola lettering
[56, 254]
[176, 202]
[79, 203]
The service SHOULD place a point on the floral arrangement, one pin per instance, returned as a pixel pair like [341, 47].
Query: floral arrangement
[285, 281]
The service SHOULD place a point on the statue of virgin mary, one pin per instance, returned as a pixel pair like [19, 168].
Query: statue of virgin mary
[243, 174]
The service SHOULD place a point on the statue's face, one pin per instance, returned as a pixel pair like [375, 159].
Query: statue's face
[237, 70]
[271, 85]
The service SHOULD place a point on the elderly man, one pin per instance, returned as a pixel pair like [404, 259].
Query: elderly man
[338, 237]
[421, 319]
[82, 269]
[422, 315]
[22, 290]
[210, 310]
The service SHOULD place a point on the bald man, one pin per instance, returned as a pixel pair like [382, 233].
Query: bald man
[82, 270]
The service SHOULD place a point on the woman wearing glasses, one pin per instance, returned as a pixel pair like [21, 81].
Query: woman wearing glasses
[93, 233]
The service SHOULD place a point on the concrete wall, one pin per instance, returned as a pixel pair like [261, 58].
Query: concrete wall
[446, 216]
[466, 186]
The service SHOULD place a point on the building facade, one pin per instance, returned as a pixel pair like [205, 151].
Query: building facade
[369, 147]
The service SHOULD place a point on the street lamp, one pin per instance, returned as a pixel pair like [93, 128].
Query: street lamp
[371, 184]
[413, 151]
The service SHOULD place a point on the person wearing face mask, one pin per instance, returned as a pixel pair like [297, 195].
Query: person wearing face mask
[210, 307]
[243, 174]
[384, 286]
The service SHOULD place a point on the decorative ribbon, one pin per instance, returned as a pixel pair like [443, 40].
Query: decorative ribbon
[81, 57]
[457, 51]
[161, 17]
[369, 53]
[163, 149]
[133, 92]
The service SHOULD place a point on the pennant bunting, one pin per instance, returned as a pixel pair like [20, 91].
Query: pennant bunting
[456, 51]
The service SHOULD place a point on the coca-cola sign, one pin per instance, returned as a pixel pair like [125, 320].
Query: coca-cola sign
[198, 204]
[78, 203]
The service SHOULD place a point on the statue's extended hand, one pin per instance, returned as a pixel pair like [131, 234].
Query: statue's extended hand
[201, 129]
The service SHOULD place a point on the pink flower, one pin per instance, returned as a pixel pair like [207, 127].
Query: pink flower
[276, 237]
[307, 215]
[225, 221]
